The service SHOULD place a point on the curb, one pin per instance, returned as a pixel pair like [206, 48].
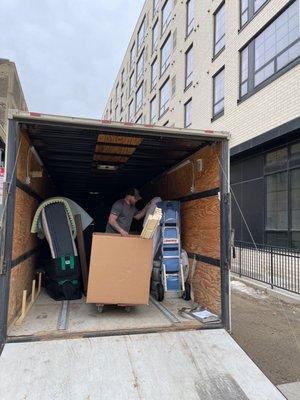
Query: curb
[276, 293]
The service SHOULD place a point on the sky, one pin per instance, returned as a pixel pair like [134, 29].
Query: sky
[67, 52]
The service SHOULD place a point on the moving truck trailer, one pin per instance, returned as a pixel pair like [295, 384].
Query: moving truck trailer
[65, 350]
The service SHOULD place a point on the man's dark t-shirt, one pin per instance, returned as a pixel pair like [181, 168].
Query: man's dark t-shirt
[125, 214]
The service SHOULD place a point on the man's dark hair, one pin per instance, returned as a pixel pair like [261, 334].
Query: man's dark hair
[130, 191]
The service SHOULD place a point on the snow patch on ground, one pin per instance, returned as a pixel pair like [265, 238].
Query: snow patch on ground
[250, 291]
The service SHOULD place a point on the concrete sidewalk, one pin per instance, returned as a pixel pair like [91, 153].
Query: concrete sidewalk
[290, 390]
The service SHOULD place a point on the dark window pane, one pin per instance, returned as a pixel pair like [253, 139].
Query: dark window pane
[276, 159]
[188, 114]
[279, 239]
[190, 16]
[277, 204]
[189, 67]
[295, 199]
[296, 240]
[165, 55]
[295, 152]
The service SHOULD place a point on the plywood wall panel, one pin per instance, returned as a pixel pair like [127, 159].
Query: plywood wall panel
[200, 226]
[207, 286]
[187, 179]
[28, 162]
[23, 240]
[20, 279]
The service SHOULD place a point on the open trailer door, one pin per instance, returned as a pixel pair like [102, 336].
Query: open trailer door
[167, 363]
[191, 365]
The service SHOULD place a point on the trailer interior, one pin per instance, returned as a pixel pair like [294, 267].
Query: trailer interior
[93, 162]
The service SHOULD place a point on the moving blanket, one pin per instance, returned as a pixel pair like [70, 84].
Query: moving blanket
[71, 208]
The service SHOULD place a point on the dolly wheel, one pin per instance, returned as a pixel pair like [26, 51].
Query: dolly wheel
[187, 293]
[159, 292]
[100, 308]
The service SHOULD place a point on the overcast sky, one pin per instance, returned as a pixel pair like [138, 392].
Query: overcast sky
[67, 52]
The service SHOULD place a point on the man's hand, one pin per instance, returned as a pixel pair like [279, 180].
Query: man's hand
[124, 233]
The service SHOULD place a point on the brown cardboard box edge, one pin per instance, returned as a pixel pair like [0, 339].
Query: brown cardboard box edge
[120, 270]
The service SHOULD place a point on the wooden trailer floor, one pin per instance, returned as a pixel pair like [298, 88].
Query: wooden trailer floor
[187, 365]
[50, 319]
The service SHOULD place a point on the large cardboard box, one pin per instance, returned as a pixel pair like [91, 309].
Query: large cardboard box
[120, 270]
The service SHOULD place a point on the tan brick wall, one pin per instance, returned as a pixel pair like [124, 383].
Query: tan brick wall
[11, 94]
[272, 106]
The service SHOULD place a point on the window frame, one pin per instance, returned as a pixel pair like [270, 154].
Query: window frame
[141, 57]
[215, 54]
[190, 101]
[166, 109]
[168, 38]
[251, 12]
[154, 99]
[187, 31]
[155, 61]
[131, 83]
[168, 21]
[132, 55]
[137, 108]
[187, 85]
[220, 113]
[130, 116]
[156, 25]
[251, 88]
[140, 41]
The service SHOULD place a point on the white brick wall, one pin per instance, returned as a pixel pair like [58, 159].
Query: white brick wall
[276, 104]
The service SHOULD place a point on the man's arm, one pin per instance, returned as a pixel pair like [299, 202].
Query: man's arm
[142, 213]
[112, 220]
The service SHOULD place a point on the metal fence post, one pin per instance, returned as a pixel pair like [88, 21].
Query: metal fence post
[272, 267]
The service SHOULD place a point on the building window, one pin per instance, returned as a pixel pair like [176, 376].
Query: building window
[218, 95]
[139, 96]
[141, 34]
[153, 111]
[188, 114]
[155, 36]
[219, 26]
[273, 49]
[189, 67]
[166, 15]
[190, 8]
[130, 110]
[122, 78]
[117, 92]
[122, 102]
[164, 98]
[154, 73]
[249, 8]
[140, 66]
[116, 113]
[295, 207]
[155, 6]
[282, 175]
[132, 55]
[165, 55]
[131, 83]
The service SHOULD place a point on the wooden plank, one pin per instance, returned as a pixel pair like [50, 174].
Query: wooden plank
[82, 254]
[189, 365]
[200, 227]
[207, 286]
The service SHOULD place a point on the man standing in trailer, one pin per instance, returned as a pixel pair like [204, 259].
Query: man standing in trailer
[123, 211]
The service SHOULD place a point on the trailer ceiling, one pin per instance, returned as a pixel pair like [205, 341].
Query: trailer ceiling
[84, 156]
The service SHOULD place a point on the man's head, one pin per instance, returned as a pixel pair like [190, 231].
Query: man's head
[132, 196]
